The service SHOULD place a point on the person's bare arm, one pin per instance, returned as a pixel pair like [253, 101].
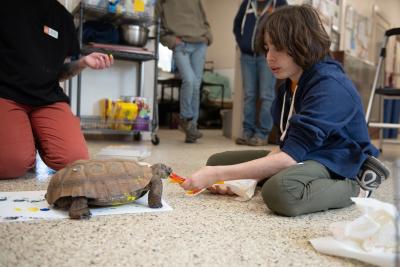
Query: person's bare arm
[258, 169]
[69, 70]
[94, 60]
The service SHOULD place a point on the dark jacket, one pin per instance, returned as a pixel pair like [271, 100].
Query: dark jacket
[246, 22]
[328, 125]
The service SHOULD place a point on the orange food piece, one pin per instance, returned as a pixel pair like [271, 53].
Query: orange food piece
[174, 178]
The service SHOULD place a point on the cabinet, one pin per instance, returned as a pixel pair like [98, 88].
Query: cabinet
[93, 124]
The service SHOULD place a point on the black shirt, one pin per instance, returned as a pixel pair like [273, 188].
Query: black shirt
[30, 59]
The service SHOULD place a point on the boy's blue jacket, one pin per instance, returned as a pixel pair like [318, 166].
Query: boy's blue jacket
[328, 125]
[246, 22]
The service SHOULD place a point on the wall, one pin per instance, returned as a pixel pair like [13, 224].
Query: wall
[224, 53]
[69, 4]
[220, 15]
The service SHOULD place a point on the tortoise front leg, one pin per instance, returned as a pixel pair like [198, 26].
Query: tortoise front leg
[79, 208]
[155, 194]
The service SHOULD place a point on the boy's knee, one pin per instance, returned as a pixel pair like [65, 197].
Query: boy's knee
[216, 159]
[282, 198]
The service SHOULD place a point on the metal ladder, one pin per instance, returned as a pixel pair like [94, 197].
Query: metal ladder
[384, 92]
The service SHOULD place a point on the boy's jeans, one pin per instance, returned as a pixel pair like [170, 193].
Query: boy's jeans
[189, 59]
[300, 189]
[259, 83]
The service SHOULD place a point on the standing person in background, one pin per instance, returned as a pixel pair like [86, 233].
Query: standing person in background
[186, 31]
[258, 81]
[36, 40]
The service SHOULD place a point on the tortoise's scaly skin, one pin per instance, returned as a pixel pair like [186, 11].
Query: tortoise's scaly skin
[106, 182]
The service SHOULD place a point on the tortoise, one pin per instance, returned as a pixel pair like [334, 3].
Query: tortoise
[109, 182]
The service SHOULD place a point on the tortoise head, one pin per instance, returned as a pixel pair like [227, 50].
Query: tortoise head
[161, 170]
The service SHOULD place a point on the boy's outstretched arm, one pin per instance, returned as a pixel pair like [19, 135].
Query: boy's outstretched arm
[257, 169]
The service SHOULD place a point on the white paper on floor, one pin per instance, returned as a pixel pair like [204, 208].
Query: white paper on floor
[31, 205]
[370, 238]
[132, 152]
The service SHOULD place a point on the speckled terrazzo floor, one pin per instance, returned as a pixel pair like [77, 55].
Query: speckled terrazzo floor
[206, 230]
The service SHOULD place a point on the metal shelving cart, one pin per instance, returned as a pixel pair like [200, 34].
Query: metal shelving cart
[96, 125]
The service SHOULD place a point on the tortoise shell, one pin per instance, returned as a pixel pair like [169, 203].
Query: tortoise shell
[102, 182]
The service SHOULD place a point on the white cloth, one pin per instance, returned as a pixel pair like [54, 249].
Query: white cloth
[370, 238]
[244, 188]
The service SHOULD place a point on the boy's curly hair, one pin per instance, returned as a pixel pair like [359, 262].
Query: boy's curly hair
[298, 30]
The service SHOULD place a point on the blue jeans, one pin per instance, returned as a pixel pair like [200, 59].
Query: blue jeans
[189, 59]
[258, 83]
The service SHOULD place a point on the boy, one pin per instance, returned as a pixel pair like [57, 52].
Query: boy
[325, 155]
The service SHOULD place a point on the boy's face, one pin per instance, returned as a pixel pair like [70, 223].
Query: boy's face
[282, 65]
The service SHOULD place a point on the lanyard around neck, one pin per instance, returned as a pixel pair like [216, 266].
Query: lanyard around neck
[269, 7]
[252, 8]
[283, 131]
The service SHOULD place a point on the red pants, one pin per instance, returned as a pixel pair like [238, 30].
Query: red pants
[52, 130]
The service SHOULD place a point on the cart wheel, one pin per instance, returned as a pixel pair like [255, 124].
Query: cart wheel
[155, 140]
[137, 136]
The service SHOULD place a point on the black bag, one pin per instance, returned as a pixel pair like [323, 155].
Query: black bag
[100, 32]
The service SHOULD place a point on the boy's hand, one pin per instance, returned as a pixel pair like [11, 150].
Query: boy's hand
[203, 178]
[196, 186]
[216, 189]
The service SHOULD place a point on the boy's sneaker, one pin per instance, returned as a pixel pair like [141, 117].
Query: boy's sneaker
[372, 173]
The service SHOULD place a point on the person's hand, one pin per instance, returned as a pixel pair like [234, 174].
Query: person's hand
[178, 41]
[216, 189]
[203, 178]
[97, 61]
[206, 177]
